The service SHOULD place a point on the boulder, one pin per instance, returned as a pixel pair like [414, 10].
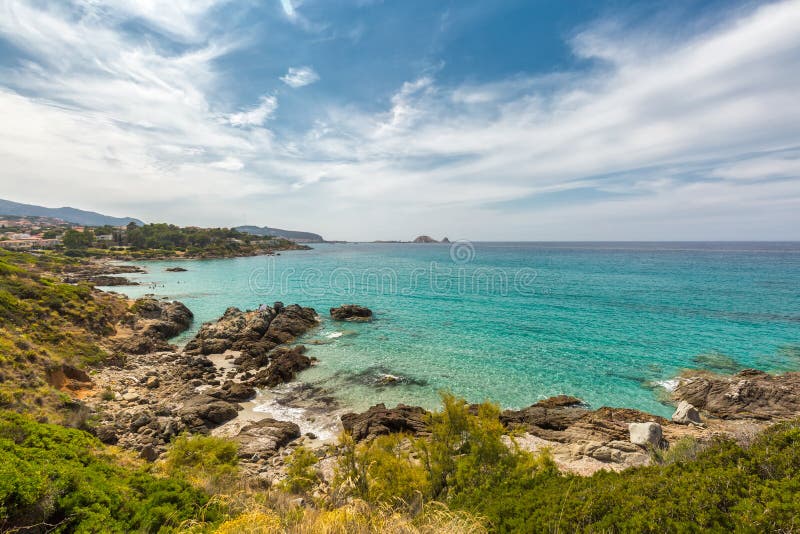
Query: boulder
[206, 411]
[351, 312]
[380, 420]
[686, 414]
[265, 438]
[285, 363]
[175, 270]
[645, 434]
[749, 394]
[234, 392]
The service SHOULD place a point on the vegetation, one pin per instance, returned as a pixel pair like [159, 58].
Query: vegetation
[167, 240]
[64, 480]
[467, 476]
[45, 324]
[721, 487]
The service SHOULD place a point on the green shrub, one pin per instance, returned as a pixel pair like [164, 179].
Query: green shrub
[66, 478]
[301, 471]
[207, 461]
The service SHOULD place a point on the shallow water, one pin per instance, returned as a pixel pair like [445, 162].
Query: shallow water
[517, 322]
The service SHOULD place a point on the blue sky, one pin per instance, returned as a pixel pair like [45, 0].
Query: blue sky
[369, 119]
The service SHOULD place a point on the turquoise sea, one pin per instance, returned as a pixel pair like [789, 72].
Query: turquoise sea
[611, 323]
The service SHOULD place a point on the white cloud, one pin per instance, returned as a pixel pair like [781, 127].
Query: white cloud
[288, 9]
[299, 77]
[256, 116]
[696, 138]
[228, 164]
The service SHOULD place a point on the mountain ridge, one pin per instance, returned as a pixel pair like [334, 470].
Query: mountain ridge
[66, 213]
[295, 235]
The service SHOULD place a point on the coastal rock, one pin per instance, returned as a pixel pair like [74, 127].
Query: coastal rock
[445, 240]
[380, 420]
[749, 394]
[566, 419]
[265, 438]
[234, 392]
[107, 280]
[206, 411]
[686, 414]
[285, 363]
[351, 312]
[645, 434]
[547, 418]
[175, 270]
[424, 239]
[152, 323]
[253, 332]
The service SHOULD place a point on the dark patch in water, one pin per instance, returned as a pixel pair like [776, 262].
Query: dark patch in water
[380, 377]
[716, 361]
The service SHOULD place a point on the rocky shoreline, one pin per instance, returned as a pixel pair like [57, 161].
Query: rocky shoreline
[151, 392]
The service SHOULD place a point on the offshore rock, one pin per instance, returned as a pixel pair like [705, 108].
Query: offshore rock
[351, 312]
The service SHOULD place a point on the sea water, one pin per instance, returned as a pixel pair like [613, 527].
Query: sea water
[611, 323]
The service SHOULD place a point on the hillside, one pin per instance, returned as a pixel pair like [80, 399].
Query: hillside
[73, 215]
[294, 235]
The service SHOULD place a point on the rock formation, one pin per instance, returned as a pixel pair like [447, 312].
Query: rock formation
[351, 312]
[424, 239]
[380, 420]
[151, 323]
[254, 332]
[749, 394]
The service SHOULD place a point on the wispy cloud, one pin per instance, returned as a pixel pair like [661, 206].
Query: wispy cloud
[658, 139]
[300, 76]
[256, 116]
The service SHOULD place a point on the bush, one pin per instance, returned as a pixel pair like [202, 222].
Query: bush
[301, 471]
[65, 477]
[208, 462]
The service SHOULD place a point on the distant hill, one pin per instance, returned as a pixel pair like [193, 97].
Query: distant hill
[302, 237]
[73, 215]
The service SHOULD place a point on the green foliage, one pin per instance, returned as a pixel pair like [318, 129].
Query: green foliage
[725, 488]
[65, 478]
[465, 456]
[301, 472]
[75, 240]
[207, 461]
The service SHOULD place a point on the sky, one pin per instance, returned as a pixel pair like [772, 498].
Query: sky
[369, 119]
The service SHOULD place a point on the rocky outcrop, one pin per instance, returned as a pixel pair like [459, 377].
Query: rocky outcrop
[152, 322]
[233, 392]
[351, 312]
[175, 270]
[108, 280]
[264, 438]
[253, 332]
[284, 364]
[424, 239]
[68, 377]
[380, 420]
[205, 411]
[749, 394]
